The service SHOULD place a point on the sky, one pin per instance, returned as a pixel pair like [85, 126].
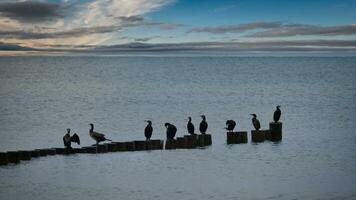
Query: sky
[165, 25]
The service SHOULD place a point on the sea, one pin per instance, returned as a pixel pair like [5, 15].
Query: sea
[42, 96]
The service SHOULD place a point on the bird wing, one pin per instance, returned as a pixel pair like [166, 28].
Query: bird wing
[75, 138]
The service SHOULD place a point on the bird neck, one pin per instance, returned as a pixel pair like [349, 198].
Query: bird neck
[91, 129]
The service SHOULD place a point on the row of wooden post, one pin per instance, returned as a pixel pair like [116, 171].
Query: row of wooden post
[188, 142]
[274, 133]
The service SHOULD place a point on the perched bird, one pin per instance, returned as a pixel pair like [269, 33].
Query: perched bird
[98, 137]
[277, 114]
[230, 125]
[203, 125]
[171, 130]
[148, 130]
[256, 122]
[190, 126]
[67, 139]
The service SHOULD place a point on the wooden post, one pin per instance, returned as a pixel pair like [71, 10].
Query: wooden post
[25, 155]
[90, 149]
[140, 145]
[156, 144]
[242, 136]
[276, 131]
[236, 137]
[190, 141]
[51, 152]
[121, 146]
[79, 150]
[43, 152]
[101, 148]
[170, 144]
[61, 151]
[181, 143]
[13, 156]
[112, 147]
[130, 146]
[204, 140]
[231, 138]
[258, 135]
[3, 158]
[149, 145]
[35, 153]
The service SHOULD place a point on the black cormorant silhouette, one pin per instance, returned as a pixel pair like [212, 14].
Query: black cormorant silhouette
[148, 130]
[190, 126]
[67, 139]
[256, 122]
[171, 130]
[230, 125]
[98, 137]
[277, 114]
[203, 125]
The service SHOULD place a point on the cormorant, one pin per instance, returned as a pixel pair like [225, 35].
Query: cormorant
[277, 114]
[190, 126]
[98, 137]
[67, 139]
[148, 130]
[171, 130]
[203, 125]
[230, 125]
[256, 122]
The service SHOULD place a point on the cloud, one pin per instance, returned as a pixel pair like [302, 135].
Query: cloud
[91, 22]
[30, 11]
[306, 30]
[278, 29]
[299, 45]
[13, 47]
[237, 28]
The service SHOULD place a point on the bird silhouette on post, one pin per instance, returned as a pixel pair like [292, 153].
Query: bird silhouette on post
[230, 125]
[98, 137]
[67, 139]
[171, 130]
[190, 126]
[277, 114]
[148, 130]
[203, 125]
[255, 122]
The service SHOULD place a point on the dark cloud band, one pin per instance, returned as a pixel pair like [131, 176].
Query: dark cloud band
[30, 11]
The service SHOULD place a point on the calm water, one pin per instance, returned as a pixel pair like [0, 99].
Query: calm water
[42, 96]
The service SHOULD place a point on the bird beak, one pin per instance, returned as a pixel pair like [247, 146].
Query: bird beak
[251, 114]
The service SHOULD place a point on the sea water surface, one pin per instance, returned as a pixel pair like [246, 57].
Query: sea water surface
[41, 96]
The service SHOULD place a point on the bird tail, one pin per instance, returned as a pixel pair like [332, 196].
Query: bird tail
[108, 140]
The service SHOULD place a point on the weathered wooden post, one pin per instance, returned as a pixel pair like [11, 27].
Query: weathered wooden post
[156, 144]
[13, 156]
[130, 146]
[101, 148]
[258, 135]
[231, 138]
[181, 143]
[43, 152]
[140, 145]
[61, 151]
[112, 147]
[171, 144]
[204, 140]
[242, 136]
[35, 153]
[24, 155]
[51, 152]
[90, 149]
[276, 131]
[190, 141]
[3, 158]
[121, 146]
